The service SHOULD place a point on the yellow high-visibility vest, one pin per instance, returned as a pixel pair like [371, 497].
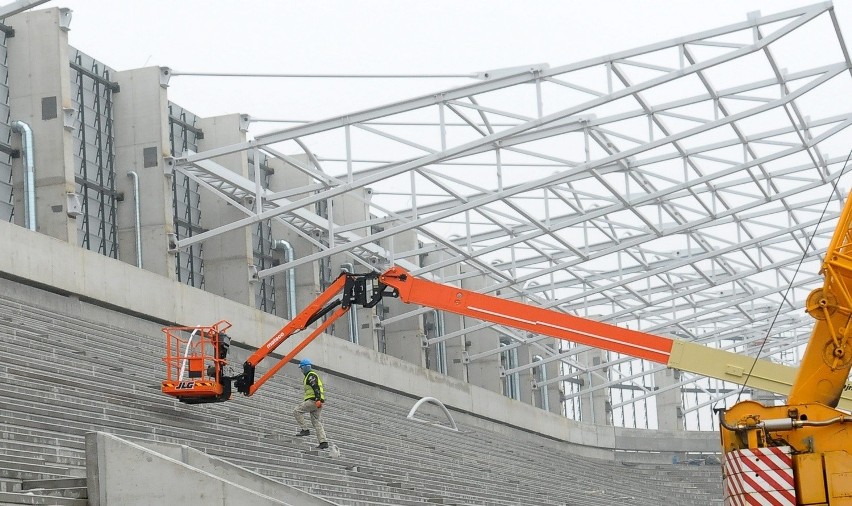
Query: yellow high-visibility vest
[309, 390]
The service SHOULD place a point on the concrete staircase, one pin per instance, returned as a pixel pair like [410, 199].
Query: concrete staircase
[68, 368]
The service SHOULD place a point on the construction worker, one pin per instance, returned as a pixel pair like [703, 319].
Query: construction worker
[312, 403]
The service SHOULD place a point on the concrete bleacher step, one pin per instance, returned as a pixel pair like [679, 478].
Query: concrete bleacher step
[12, 467]
[17, 498]
[34, 488]
[74, 488]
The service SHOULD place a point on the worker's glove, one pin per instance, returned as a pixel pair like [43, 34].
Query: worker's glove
[319, 403]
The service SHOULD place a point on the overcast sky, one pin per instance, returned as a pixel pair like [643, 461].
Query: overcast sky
[346, 37]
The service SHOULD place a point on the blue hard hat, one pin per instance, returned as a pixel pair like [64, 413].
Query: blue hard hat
[305, 363]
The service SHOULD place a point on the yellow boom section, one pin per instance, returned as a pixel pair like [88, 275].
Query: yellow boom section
[828, 358]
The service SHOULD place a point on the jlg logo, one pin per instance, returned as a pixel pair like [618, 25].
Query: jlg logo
[185, 385]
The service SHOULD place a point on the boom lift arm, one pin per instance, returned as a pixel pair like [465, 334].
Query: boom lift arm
[367, 290]
[354, 291]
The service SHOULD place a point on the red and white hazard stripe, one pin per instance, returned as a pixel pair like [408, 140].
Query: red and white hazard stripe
[759, 477]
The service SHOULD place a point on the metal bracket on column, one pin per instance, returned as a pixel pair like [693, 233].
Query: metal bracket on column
[68, 116]
[171, 243]
[165, 75]
[169, 163]
[65, 19]
[245, 121]
[73, 204]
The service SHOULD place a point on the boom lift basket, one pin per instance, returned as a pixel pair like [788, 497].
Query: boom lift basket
[194, 360]
[196, 356]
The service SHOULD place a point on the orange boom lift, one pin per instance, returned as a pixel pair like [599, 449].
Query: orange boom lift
[196, 355]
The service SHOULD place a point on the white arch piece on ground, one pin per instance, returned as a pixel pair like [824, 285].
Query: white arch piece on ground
[432, 400]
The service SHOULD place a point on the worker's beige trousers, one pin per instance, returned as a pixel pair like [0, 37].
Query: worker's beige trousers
[310, 406]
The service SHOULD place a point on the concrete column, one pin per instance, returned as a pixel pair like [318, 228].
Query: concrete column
[483, 372]
[141, 143]
[228, 256]
[547, 396]
[403, 339]
[594, 405]
[286, 305]
[39, 92]
[554, 390]
[347, 209]
[525, 356]
[453, 347]
[306, 276]
[669, 402]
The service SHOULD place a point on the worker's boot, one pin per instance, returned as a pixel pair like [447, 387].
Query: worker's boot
[323, 446]
[304, 432]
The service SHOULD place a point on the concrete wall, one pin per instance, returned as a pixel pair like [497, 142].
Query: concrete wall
[32, 259]
[175, 475]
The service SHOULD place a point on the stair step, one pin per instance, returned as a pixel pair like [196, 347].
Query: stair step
[31, 498]
[54, 483]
